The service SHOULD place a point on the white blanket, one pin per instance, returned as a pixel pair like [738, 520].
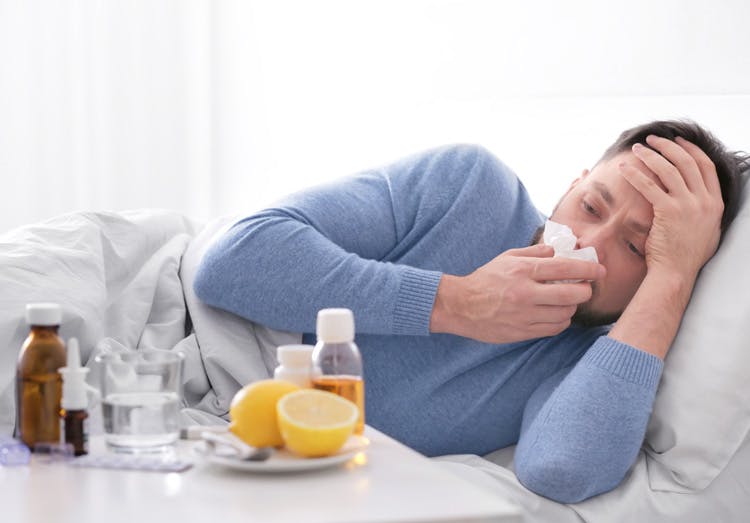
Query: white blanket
[125, 283]
[227, 351]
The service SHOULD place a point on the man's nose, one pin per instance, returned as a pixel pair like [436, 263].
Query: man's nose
[597, 237]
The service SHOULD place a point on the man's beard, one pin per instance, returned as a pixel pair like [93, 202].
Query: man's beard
[585, 315]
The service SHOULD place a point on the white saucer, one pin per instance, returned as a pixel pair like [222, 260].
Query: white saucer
[284, 461]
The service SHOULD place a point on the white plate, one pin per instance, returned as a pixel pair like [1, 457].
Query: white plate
[284, 461]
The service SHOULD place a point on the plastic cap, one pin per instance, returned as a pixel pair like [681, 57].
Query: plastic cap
[335, 325]
[74, 379]
[43, 314]
[295, 355]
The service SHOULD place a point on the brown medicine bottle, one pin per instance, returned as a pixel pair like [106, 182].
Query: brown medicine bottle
[38, 383]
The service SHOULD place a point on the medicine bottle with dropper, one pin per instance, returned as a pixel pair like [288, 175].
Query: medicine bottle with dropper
[337, 363]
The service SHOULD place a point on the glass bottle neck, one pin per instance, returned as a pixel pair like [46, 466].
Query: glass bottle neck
[41, 329]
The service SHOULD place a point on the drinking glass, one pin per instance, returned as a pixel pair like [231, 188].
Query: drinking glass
[141, 398]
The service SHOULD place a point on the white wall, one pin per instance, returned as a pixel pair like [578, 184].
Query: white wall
[218, 107]
[546, 85]
[104, 104]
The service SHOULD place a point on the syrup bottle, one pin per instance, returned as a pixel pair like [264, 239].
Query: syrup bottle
[337, 363]
[38, 384]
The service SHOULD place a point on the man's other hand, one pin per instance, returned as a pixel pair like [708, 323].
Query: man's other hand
[509, 299]
[687, 205]
[681, 184]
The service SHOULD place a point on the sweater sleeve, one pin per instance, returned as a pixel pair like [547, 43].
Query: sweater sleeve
[583, 428]
[333, 246]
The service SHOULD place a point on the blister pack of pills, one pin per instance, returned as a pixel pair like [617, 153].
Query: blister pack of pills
[130, 462]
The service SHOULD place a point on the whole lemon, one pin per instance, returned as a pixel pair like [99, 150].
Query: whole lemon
[253, 412]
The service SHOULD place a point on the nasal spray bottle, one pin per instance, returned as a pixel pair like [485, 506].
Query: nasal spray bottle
[74, 401]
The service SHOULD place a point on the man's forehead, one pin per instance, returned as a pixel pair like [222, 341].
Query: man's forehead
[612, 187]
[603, 189]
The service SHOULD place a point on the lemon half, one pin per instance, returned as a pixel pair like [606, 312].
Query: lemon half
[315, 423]
[253, 412]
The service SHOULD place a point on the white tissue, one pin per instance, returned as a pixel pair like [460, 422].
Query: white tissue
[559, 236]
[563, 241]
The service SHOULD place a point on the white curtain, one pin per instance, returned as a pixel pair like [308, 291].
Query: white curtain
[216, 107]
[105, 105]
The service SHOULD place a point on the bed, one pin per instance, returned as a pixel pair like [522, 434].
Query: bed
[125, 282]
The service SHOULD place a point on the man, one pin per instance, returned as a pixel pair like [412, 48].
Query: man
[467, 345]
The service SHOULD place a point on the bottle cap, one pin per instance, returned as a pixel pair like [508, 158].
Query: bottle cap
[295, 355]
[74, 379]
[335, 325]
[43, 314]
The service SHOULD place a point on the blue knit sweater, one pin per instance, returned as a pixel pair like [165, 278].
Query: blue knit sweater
[577, 403]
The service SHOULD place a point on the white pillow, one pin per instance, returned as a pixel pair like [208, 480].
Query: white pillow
[702, 409]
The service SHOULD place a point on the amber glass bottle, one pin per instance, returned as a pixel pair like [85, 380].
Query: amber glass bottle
[38, 383]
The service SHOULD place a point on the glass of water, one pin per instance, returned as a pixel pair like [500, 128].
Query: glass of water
[141, 399]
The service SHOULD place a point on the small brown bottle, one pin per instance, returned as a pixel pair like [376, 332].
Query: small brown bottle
[38, 383]
[74, 401]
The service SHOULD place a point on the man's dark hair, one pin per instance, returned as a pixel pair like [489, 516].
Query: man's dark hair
[729, 164]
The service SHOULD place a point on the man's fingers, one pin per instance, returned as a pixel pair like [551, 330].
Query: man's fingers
[555, 269]
[538, 250]
[562, 294]
[668, 174]
[680, 158]
[552, 313]
[642, 183]
[705, 165]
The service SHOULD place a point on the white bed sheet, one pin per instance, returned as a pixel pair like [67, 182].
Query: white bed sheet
[725, 500]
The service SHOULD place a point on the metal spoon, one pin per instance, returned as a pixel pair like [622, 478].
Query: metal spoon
[242, 451]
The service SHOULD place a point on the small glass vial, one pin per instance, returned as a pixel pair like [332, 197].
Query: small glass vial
[337, 363]
[75, 429]
[295, 364]
[38, 384]
[74, 401]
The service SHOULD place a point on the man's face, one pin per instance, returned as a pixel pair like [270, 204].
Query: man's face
[607, 213]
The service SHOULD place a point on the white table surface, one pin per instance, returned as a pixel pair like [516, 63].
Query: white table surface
[391, 483]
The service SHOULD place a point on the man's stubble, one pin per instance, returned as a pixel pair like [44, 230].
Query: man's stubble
[585, 315]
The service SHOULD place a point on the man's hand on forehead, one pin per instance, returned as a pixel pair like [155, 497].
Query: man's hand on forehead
[680, 182]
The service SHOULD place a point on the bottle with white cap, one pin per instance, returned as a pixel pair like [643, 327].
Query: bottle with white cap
[75, 401]
[337, 363]
[295, 364]
[38, 384]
